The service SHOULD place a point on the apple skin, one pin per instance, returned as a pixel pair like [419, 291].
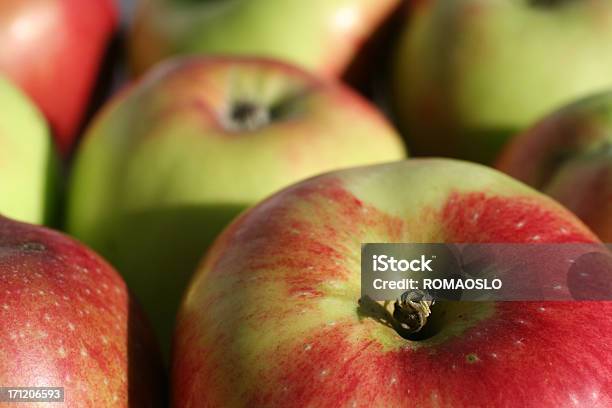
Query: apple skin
[160, 173]
[470, 74]
[53, 49]
[68, 321]
[567, 155]
[322, 35]
[271, 318]
[28, 162]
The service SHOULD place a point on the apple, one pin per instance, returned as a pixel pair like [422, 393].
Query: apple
[272, 316]
[28, 164]
[53, 49]
[567, 155]
[68, 321]
[470, 74]
[322, 36]
[172, 160]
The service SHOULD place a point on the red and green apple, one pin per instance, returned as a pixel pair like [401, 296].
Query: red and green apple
[169, 162]
[68, 321]
[568, 155]
[272, 317]
[53, 49]
[323, 35]
[470, 74]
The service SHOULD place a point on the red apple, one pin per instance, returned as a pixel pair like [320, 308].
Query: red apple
[68, 321]
[53, 49]
[272, 317]
[567, 156]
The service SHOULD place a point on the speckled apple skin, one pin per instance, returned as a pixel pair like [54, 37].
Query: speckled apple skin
[272, 316]
[68, 321]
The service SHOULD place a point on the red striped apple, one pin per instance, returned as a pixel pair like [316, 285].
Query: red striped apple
[567, 155]
[323, 36]
[272, 318]
[28, 162]
[171, 161]
[53, 50]
[470, 74]
[68, 321]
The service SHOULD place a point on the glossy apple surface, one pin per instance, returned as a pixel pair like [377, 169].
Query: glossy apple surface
[68, 321]
[272, 316]
[322, 35]
[28, 165]
[470, 74]
[568, 155]
[53, 49]
[172, 160]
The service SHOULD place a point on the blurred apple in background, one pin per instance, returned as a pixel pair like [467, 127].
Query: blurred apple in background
[469, 74]
[273, 316]
[320, 35]
[568, 155]
[28, 162]
[68, 321]
[53, 49]
[172, 160]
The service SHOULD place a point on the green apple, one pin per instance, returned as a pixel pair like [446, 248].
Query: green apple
[28, 165]
[273, 316]
[568, 155]
[172, 160]
[321, 35]
[468, 74]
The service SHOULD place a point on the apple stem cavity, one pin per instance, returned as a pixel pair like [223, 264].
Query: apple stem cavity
[246, 116]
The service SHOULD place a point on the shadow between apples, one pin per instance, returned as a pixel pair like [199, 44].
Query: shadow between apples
[147, 379]
[157, 252]
[484, 145]
[54, 189]
[108, 79]
[477, 145]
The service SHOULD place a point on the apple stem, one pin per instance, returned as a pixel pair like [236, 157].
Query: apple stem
[412, 309]
[246, 115]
